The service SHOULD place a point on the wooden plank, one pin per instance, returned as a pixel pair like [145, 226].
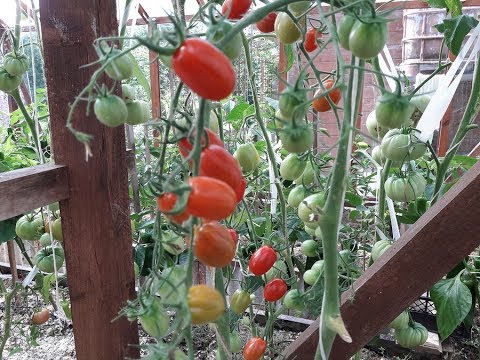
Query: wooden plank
[475, 151]
[33, 187]
[425, 253]
[95, 218]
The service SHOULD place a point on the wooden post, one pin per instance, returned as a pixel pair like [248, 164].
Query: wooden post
[423, 255]
[95, 217]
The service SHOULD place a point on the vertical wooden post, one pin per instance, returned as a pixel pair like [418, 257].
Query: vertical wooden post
[95, 218]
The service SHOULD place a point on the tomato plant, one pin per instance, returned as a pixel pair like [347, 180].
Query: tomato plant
[234, 47]
[8, 82]
[235, 9]
[267, 24]
[128, 94]
[46, 260]
[262, 260]
[248, 157]
[296, 139]
[210, 75]
[120, 67]
[311, 39]
[296, 196]
[138, 112]
[214, 245]
[254, 348]
[274, 290]
[110, 110]
[41, 317]
[374, 129]
[414, 335]
[344, 29]
[15, 64]
[393, 111]
[286, 30]
[233, 235]
[401, 145]
[367, 39]
[379, 248]
[185, 145]
[293, 300]
[309, 248]
[205, 303]
[292, 167]
[405, 188]
[166, 202]
[308, 209]
[154, 319]
[29, 227]
[210, 198]
[401, 321]
[240, 301]
[320, 103]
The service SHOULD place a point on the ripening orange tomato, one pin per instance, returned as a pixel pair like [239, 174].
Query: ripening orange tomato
[321, 104]
[214, 245]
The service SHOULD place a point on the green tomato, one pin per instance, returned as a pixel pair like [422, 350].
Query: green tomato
[57, 229]
[289, 104]
[421, 102]
[344, 29]
[292, 167]
[296, 139]
[173, 243]
[29, 228]
[296, 196]
[307, 177]
[155, 320]
[110, 110]
[8, 82]
[299, 8]
[366, 40]
[398, 145]
[44, 259]
[393, 111]
[345, 257]
[137, 113]
[234, 47]
[171, 287]
[278, 270]
[240, 301]
[128, 93]
[374, 129]
[311, 276]
[310, 231]
[121, 68]
[414, 335]
[45, 239]
[310, 248]
[213, 122]
[401, 321]
[293, 300]
[248, 157]
[405, 189]
[235, 342]
[379, 248]
[286, 30]
[307, 210]
[319, 266]
[281, 120]
[15, 64]
[318, 232]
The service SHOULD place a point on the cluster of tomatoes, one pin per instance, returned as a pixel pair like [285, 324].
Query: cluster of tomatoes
[14, 66]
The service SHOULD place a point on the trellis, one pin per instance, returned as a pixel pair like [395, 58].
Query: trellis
[94, 204]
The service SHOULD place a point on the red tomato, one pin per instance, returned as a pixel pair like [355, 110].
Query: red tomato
[262, 260]
[185, 146]
[274, 290]
[234, 236]
[166, 202]
[214, 245]
[254, 348]
[321, 104]
[240, 190]
[218, 163]
[311, 37]
[210, 198]
[267, 24]
[41, 317]
[235, 9]
[204, 69]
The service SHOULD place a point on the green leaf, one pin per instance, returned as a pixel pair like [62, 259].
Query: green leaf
[138, 73]
[455, 30]
[453, 301]
[290, 56]
[454, 6]
[436, 4]
[237, 112]
[353, 199]
[249, 111]
[7, 230]
[464, 161]
[48, 281]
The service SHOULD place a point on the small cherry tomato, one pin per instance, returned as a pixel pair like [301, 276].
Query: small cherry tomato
[218, 163]
[234, 236]
[267, 24]
[210, 198]
[262, 260]
[213, 245]
[240, 190]
[185, 146]
[41, 317]
[321, 104]
[274, 290]
[235, 9]
[311, 38]
[205, 303]
[205, 69]
[240, 301]
[166, 202]
[254, 348]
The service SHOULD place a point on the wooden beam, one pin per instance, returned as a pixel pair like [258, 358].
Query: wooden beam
[96, 216]
[438, 241]
[32, 187]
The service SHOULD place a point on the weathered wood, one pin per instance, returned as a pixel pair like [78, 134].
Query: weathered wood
[475, 151]
[95, 218]
[438, 241]
[31, 188]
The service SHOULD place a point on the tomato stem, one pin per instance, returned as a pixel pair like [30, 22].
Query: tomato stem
[381, 197]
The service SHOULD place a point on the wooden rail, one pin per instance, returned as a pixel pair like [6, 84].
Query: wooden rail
[439, 240]
[96, 215]
[32, 188]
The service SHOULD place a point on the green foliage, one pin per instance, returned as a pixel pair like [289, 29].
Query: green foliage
[455, 30]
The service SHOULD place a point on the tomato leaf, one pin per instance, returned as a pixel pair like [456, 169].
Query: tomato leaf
[237, 111]
[453, 6]
[453, 301]
[455, 30]
[48, 281]
[290, 57]
[139, 75]
[353, 199]
[7, 230]
[464, 161]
